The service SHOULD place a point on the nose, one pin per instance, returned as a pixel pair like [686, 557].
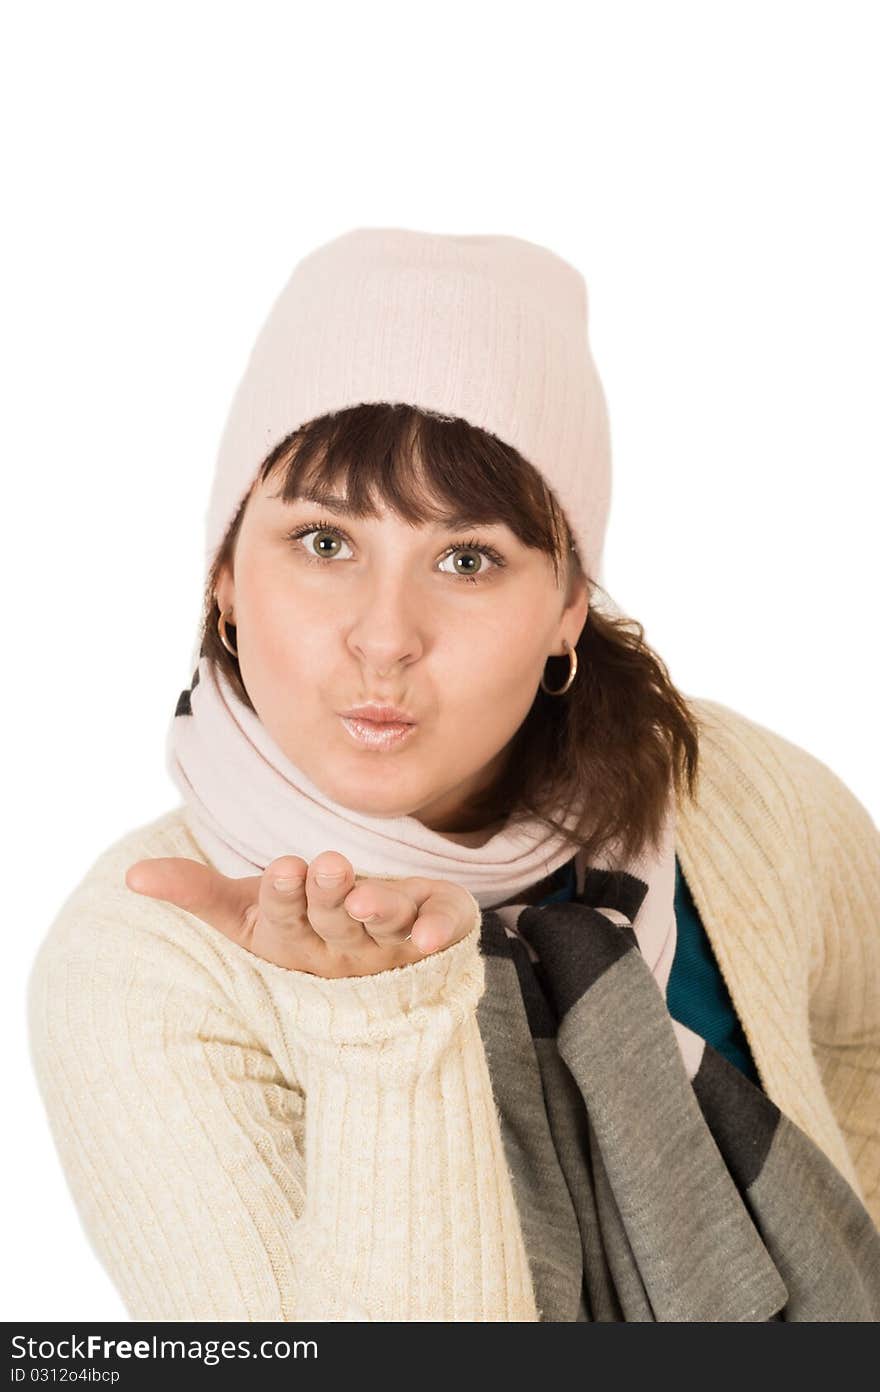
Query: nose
[385, 631]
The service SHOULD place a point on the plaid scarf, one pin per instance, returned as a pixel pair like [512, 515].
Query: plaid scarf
[653, 1180]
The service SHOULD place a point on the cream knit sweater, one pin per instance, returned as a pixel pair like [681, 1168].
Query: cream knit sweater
[246, 1142]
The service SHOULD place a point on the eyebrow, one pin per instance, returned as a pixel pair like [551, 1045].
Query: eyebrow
[344, 508]
[340, 505]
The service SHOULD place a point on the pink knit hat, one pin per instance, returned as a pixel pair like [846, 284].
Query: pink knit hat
[489, 328]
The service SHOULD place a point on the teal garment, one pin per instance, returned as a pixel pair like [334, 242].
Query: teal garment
[696, 993]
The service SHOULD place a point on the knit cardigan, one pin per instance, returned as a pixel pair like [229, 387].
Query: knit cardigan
[247, 1142]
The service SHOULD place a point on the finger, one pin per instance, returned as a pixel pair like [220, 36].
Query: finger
[446, 913]
[329, 879]
[282, 897]
[217, 899]
[386, 911]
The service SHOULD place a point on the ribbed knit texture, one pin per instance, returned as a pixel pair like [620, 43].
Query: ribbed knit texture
[245, 1142]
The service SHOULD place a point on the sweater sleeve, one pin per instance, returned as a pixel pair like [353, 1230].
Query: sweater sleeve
[246, 1142]
[845, 966]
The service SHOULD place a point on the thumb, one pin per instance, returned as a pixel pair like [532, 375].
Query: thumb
[197, 888]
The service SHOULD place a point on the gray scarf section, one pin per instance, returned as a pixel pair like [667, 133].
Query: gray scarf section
[644, 1194]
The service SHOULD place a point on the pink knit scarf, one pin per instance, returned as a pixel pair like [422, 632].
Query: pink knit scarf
[247, 804]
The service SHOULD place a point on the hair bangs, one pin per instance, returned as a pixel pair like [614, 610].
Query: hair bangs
[424, 467]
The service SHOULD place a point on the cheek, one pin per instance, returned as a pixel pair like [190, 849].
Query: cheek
[279, 655]
[486, 680]
[508, 649]
[278, 634]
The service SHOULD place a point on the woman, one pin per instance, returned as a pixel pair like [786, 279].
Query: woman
[582, 1023]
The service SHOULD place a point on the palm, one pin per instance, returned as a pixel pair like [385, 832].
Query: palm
[313, 928]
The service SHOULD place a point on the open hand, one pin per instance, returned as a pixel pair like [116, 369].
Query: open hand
[309, 927]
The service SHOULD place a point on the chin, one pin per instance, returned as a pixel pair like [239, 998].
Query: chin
[375, 807]
[368, 796]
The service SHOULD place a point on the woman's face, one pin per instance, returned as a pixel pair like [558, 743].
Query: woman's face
[379, 610]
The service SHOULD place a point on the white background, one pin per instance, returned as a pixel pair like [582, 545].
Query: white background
[711, 168]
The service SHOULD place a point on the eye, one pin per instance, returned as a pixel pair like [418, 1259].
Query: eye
[327, 532]
[472, 549]
[330, 534]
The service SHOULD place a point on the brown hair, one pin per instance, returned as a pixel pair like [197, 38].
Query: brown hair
[609, 749]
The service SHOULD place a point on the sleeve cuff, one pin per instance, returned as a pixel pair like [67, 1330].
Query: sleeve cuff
[328, 1011]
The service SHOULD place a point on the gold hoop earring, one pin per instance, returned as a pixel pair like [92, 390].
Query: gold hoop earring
[221, 629]
[572, 665]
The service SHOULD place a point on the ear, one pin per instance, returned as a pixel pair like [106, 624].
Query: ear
[577, 606]
[224, 589]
